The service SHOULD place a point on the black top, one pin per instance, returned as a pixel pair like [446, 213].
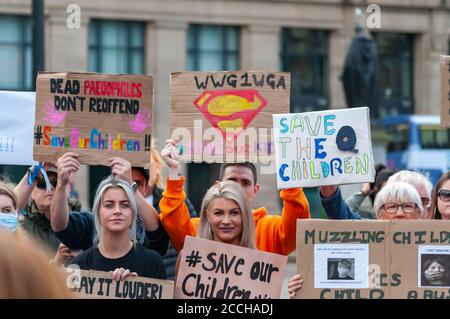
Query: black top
[143, 261]
[336, 277]
[80, 233]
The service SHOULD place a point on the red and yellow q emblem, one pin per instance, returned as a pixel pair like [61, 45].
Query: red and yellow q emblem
[230, 109]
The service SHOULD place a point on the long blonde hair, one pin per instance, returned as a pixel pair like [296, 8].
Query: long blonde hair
[25, 272]
[229, 190]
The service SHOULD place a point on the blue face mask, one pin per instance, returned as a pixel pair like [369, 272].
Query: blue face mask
[8, 221]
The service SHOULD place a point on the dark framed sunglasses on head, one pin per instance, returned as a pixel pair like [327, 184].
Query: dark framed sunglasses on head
[40, 182]
[444, 195]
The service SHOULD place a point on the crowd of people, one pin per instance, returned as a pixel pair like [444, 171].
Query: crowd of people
[137, 228]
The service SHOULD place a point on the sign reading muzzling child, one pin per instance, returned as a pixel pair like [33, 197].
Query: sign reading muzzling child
[366, 259]
[210, 270]
[323, 148]
[95, 115]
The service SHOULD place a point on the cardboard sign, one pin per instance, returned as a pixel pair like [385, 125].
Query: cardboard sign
[16, 127]
[226, 116]
[95, 115]
[356, 259]
[445, 91]
[99, 285]
[323, 148]
[210, 269]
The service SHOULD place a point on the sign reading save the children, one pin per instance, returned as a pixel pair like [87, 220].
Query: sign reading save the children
[210, 270]
[357, 259]
[226, 116]
[95, 115]
[323, 148]
[99, 284]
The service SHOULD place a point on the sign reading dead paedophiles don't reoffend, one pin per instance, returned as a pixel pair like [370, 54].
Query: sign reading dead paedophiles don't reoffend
[323, 148]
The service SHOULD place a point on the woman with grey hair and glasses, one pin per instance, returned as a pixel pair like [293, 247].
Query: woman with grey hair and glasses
[399, 200]
[115, 248]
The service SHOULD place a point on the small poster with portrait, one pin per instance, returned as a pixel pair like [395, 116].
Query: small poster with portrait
[341, 266]
[434, 266]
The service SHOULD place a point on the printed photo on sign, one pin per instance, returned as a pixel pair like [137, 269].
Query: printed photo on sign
[323, 148]
[341, 266]
[434, 266]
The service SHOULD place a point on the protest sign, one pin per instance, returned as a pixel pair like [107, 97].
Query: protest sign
[226, 116]
[420, 252]
[323, 148]
[357, 259]
[210, 269]
[445, 91]
[99, 284]
[16, 127]
[95, 115]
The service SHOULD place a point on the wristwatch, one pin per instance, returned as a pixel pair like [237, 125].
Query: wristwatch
[134, 186]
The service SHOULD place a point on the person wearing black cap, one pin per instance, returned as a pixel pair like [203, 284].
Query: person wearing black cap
[37, 200]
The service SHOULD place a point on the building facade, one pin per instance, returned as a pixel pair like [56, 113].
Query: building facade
[309, 38]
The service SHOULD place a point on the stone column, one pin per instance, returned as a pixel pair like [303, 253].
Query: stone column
[67, 50]
[261, 52]
[166, 53]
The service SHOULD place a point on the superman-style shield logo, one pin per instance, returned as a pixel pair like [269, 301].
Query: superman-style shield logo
[230, 109]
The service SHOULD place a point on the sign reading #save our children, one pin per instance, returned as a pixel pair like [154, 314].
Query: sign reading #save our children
[95, 115]
[214, 270]
[323, 148]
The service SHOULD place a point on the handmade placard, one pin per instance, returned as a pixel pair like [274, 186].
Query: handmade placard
[323, 148]
[95, 115]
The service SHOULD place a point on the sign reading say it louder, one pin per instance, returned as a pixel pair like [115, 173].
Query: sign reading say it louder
[323, 148]
[95, 115]
[222, 115]
[100, 285]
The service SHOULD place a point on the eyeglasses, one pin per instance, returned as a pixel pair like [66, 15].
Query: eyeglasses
[425, 202]
[40, 182]
[444, 195]
[392, 208]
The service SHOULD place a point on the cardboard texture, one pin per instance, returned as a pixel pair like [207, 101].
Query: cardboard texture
[445, 91]
[241, 100]
[99, 285]
[396, 263]
[95, 115]
[210, 269]
[331, 147]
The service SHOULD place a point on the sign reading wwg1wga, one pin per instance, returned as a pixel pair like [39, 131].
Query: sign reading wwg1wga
[227, 116]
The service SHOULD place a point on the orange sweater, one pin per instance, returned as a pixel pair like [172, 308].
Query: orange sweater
[276, 234]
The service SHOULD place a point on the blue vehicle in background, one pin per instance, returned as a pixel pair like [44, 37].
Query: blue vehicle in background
[417, 142]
